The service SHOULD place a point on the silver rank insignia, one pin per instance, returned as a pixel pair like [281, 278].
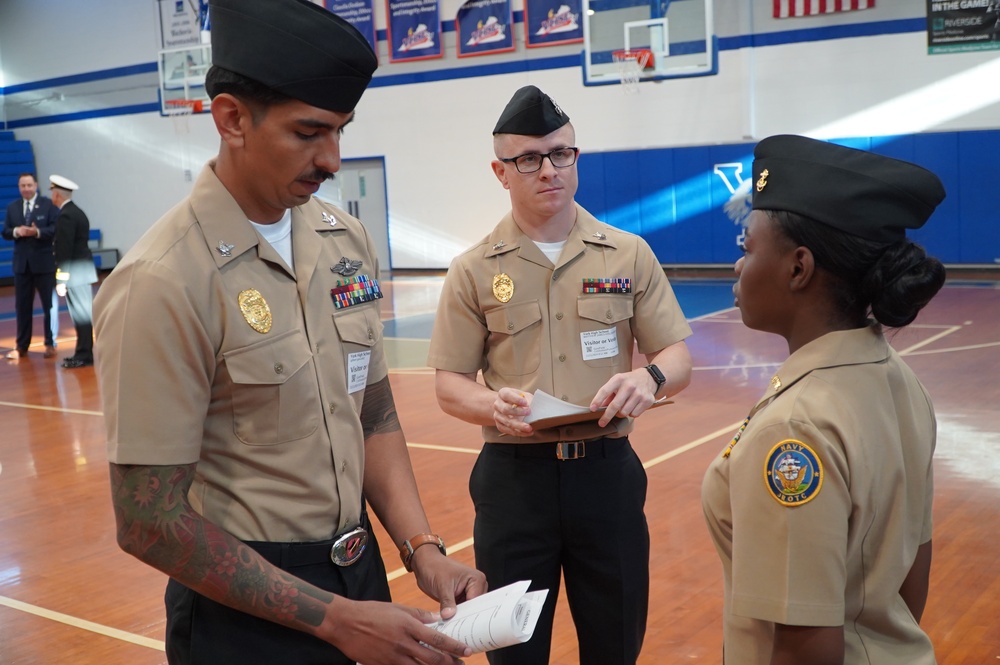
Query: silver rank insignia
[499, 245]
[346, 266]
[600, 236]
[224, 248]
[329, 219]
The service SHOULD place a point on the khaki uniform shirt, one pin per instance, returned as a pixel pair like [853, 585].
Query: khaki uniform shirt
[537, 339]
[269, 412]
[819, 508]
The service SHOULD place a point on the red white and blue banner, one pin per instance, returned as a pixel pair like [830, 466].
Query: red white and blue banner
[414, 30]
[793, 8]
[360, 14]
[550, 22]
[483, 27]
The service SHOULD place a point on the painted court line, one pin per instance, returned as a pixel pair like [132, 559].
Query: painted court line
[83, 624]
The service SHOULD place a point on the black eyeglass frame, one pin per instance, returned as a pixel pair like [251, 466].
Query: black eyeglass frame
[541, 159]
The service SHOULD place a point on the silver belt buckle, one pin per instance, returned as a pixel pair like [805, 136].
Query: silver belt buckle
[348, 548]
[566, 450]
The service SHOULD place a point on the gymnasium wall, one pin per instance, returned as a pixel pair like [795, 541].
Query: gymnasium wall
[79, 82]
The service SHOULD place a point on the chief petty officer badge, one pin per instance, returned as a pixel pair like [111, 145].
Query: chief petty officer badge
[255, 310]
[793, 473]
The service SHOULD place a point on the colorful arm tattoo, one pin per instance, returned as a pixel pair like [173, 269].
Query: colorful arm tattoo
[157, 525]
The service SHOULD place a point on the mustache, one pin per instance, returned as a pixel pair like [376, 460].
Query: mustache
[318, 176]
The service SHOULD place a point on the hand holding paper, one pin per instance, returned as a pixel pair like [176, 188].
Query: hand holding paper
[500, 618]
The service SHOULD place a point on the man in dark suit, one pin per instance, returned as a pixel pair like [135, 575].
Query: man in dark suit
[31, 223]
[75, 271]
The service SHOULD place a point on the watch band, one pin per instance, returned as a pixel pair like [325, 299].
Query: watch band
[410, 546]
[657, 375]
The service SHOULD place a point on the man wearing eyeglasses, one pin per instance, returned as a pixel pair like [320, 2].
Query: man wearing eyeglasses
[553, 299]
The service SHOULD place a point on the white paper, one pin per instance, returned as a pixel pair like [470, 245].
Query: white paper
[497, 619]
[544, 405]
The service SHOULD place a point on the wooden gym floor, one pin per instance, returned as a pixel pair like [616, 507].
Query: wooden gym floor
[68, 595]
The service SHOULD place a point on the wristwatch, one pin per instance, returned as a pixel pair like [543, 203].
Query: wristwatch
[657, 375]
[410, 546]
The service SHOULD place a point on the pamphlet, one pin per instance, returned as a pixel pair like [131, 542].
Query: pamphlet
[548, 411]
[496, 619]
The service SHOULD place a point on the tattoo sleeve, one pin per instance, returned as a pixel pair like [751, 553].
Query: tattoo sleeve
[378, 413]
[157, 525]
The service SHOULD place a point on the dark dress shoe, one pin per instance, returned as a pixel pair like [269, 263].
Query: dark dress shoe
[17, 354]
[50, 352]
[75, 363]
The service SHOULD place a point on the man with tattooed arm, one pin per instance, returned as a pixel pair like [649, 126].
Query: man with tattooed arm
[246, 394]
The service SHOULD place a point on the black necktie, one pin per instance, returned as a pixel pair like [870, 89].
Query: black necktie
[27, 210]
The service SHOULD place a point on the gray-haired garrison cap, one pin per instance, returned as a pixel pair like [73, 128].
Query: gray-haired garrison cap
[532, 113]
[294, 47]
[858, 192]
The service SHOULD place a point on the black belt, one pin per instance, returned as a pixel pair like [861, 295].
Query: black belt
[343, 550]
[560, 450]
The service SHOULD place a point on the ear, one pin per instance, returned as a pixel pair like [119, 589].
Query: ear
[803, 267]
[500, 172]
[231, 118]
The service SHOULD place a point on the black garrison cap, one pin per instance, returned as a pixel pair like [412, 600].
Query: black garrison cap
[532, 113]
[858, 192]
[295, 47]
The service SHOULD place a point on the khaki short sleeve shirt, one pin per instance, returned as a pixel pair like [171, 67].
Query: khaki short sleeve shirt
[211, 350]
[819, 506]
[567, 328]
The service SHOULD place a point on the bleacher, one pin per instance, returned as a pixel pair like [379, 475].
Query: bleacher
[17, 157]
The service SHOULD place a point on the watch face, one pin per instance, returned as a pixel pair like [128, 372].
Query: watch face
[657, 375]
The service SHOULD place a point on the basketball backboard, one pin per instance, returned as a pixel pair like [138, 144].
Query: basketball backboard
[182, 76]
[679, 33]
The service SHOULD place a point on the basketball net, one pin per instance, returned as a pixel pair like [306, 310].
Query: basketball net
[180, 111]
[630, 67]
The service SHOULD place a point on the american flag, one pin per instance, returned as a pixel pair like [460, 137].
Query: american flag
[787, 8]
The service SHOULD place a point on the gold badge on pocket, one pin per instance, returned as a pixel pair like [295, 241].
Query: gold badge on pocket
[503, 287]
[255, 310]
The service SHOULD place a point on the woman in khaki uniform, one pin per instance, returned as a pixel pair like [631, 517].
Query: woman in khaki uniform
[820, 507]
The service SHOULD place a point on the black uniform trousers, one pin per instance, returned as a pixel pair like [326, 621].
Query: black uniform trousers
[536, 514]
[80, 300]
[25, 286]
[203, 632]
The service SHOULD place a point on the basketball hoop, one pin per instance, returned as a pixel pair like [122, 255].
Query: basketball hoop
[179, 110]
[631, 64]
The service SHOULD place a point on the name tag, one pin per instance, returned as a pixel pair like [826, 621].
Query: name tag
[599, 343]
[357, 370]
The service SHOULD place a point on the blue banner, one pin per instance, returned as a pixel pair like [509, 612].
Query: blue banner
[548, 22]
[414, 30]
[484, 26]
[360, 14]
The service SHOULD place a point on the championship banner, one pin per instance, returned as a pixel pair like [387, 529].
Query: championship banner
[360, 14]
[961, 26]
[792, 8]
[550, 22]
[483, 27]
[180, 23]
[414, 30]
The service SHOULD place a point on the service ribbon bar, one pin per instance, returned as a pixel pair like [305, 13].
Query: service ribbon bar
[354, 291]
[607, 285]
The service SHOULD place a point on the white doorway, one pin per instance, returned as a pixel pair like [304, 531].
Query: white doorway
[359, 190]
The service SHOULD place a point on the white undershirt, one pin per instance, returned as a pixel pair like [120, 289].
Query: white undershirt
[551, 249]
[279, 236]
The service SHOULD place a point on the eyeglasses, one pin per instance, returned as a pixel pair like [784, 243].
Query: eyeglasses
[530, 162]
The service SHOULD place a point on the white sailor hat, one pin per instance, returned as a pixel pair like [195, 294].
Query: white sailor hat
[63, 183]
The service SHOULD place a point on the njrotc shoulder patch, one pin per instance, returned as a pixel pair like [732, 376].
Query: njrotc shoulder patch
[793, 473]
